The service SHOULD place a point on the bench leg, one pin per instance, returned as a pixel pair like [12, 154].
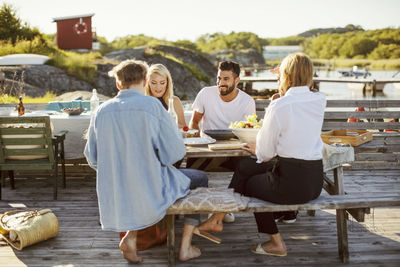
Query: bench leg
[343, 245]
[171, 239]
[12, 181]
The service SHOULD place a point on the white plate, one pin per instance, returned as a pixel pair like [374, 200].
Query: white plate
[197, 141]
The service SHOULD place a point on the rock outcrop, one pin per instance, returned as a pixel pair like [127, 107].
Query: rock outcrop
[248, 57]
[190, 72]
[186, 84]
[36, 80]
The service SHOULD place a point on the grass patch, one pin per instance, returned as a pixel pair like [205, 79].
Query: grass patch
[8, 99]
[80, 65]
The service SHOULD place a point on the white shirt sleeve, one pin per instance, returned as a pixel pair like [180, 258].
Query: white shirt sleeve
[267, 137]
[198, 104]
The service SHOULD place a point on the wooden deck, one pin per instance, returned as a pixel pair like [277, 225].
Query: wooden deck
[310, 241]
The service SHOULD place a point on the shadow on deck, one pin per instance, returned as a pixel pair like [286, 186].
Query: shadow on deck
[310, 241]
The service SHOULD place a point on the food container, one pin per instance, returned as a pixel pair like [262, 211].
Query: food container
[352, 137]
[220, 134]
[246, 135]
[73, 111]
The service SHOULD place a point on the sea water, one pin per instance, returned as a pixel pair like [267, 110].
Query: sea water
[339, 90]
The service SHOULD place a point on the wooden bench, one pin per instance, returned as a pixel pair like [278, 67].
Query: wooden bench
[338, 202]
[383, 152]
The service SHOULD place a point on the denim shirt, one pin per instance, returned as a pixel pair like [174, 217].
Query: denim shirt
[132, 144]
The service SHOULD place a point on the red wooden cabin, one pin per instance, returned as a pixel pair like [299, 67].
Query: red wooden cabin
[74, 32]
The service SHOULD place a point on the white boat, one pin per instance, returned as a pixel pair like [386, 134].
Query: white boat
[23, 59]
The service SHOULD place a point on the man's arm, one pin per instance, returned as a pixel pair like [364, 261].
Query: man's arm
[195, 120]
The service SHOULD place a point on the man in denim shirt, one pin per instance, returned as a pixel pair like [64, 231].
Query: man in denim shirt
[133, 143]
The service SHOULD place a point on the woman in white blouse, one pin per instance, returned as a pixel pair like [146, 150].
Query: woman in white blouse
[288, 168]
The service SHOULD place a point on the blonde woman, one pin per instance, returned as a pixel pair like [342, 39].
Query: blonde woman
[159, 84]
[288, 168]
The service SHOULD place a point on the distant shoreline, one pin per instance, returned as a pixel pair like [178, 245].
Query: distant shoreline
[338, 63]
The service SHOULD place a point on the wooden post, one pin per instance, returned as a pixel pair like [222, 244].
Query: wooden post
[171, 239]
[338, 179]
[364, 89]
[374, 88]
[341, 221]
[343, 245]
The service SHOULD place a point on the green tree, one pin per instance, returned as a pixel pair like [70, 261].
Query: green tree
[373, 44]
[132, 41]
[12, 28]
[358, 46]
[386, 51]
[236, 41]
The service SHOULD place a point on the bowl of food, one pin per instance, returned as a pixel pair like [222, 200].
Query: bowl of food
[246, 135]
[247, 130]
[188, 133]
[220, 134]
[73, 111]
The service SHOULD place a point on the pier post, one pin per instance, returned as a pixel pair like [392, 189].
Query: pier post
[374, 88]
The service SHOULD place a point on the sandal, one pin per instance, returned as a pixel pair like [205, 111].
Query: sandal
[207, 235]
[259, 250]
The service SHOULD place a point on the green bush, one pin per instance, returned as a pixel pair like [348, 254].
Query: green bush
[133, 41]
[373, 44]
[236, 41]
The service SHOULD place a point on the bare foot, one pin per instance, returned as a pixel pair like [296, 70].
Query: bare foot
[271, 247]
[128, 249]
[187, 254]
[213, 224]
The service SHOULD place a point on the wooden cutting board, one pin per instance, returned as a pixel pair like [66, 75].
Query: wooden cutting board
[225, 146]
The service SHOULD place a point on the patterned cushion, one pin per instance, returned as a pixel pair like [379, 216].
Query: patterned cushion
[204, 199]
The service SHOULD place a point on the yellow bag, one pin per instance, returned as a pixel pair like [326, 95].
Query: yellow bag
[22, 228]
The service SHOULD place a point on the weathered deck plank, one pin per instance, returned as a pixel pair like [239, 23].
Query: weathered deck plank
[311, 241]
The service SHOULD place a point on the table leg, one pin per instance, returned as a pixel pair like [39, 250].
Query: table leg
[171, 239]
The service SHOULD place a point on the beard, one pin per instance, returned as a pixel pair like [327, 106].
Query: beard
[227, 91]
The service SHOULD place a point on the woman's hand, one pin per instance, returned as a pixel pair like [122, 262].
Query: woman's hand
[250, 148]
[275, 96]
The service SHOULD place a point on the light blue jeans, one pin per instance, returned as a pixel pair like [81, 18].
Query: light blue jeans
[197, 179]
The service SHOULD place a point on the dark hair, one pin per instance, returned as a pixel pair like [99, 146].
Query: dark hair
[230, 65]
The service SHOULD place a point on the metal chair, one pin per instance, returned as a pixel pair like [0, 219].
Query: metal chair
[27, 144]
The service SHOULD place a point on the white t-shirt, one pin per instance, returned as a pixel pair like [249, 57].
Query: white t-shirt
[218, 114]
[292, 126]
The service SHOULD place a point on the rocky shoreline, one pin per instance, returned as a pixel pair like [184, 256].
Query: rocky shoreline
[190, 72]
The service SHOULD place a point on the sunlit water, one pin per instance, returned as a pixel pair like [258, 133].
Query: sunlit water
[340, 90]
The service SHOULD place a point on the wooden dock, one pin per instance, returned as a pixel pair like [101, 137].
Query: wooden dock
[374, 85]
[311, 241]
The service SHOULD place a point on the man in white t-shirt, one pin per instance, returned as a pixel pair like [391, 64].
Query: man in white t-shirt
[218, 106]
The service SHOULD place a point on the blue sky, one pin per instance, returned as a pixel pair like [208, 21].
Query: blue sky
[188, 19]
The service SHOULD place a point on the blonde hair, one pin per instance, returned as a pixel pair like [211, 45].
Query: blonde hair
[295, 70]
[129, 72]
[163, 71]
